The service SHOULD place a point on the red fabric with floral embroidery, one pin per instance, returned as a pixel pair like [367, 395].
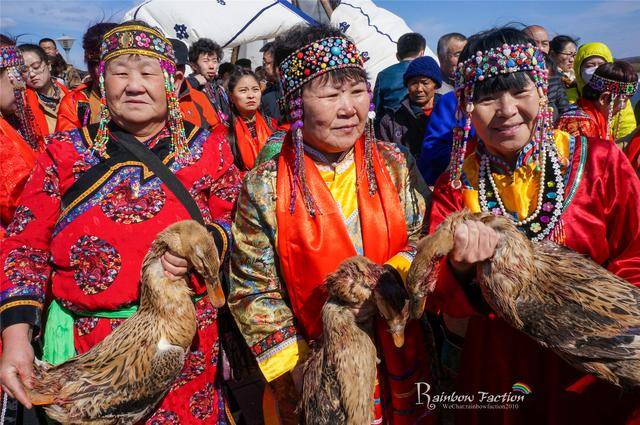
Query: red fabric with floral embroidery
[96, 248]
[603, 222]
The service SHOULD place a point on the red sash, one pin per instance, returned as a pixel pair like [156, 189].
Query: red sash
[310, 248]
[249, 146]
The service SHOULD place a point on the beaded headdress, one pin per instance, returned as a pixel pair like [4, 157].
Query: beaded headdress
[496, 61]
[303, 65]
[141, 40]
[11, 58]
[620, 90]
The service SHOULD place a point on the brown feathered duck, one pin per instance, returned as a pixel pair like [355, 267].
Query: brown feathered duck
[121, 379]
[339, 376]
[563, 300]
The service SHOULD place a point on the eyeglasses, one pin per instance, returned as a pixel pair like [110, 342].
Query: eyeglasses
[571, 54]
[36, 67]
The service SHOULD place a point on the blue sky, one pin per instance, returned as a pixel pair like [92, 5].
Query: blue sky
[612, 22]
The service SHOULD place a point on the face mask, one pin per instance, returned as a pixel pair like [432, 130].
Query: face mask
[587, 73]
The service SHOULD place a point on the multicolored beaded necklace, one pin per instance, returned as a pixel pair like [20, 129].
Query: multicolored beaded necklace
[550, 200]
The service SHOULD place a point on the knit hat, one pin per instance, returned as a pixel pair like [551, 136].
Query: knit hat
[424, 66]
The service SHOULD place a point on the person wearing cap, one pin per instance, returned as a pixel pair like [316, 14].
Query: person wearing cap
[331, 192]
[194, 105]
[81, 106]
[406, 125]
[90, 212]
[17, 138]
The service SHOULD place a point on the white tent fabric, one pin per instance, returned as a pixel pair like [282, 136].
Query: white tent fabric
[375, 30]
[228, 22]
[234, 23]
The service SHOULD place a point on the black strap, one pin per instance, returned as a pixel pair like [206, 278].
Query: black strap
[151, 160]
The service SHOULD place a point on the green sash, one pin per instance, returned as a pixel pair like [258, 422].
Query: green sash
[58, 333]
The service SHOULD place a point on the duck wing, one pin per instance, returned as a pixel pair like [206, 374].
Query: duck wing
[582, 311]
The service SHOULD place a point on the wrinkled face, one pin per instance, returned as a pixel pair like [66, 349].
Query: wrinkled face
[7, 99]
[135, 90]
[37, 72]
[207, 65]
[566, 57]
[454, 49]
[49, 48]
[541, 38]
[505, 120]
[246, 95]
[269, 68]
[421, 90]
[334, 114]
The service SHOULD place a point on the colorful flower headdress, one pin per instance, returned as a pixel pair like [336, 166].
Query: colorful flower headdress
[620, 90]
[505, 59]
[11, 58]
[142, 40]
[309, 62]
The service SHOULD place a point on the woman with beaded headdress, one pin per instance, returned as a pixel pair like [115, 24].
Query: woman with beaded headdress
[588, 58]
[90, 212]
[19, 144]
[332, 192]
[577, 192]
[604, 96]
[43, 93]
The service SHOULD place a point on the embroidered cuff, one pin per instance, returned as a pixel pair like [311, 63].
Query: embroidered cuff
[280, 352]
[18, 310]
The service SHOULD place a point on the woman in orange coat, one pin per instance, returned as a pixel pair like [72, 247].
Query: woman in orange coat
[81, 106]
[250, 129]
[17, 156]
[43, 93]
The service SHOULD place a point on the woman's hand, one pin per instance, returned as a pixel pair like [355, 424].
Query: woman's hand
[175, 267]
[16, 367]
[473, 241]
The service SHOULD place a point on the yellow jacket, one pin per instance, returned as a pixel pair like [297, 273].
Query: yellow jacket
[626, 116]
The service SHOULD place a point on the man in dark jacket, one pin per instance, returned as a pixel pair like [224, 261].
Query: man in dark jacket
[556, 94]
[389, 89]
[270, 95]
[406, 125]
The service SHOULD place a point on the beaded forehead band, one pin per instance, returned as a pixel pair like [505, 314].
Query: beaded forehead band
[315, 59]
[136, 39]
[617, 88]
[141, 40]
[10, 56]
[504, 59]
[501, 60]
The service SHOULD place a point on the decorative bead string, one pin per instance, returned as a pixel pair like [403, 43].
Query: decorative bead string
[535, 226]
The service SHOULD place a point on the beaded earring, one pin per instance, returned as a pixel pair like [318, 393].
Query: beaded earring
[369, 140]
[299, 179]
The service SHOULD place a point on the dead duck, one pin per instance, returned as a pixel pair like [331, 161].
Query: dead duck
[121, 379]
[563, 300]
[339, 376]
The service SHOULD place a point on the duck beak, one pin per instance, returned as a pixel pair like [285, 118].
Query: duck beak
[398, 338]
[216, 295]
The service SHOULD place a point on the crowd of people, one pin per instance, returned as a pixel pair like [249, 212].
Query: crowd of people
[294, 167]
